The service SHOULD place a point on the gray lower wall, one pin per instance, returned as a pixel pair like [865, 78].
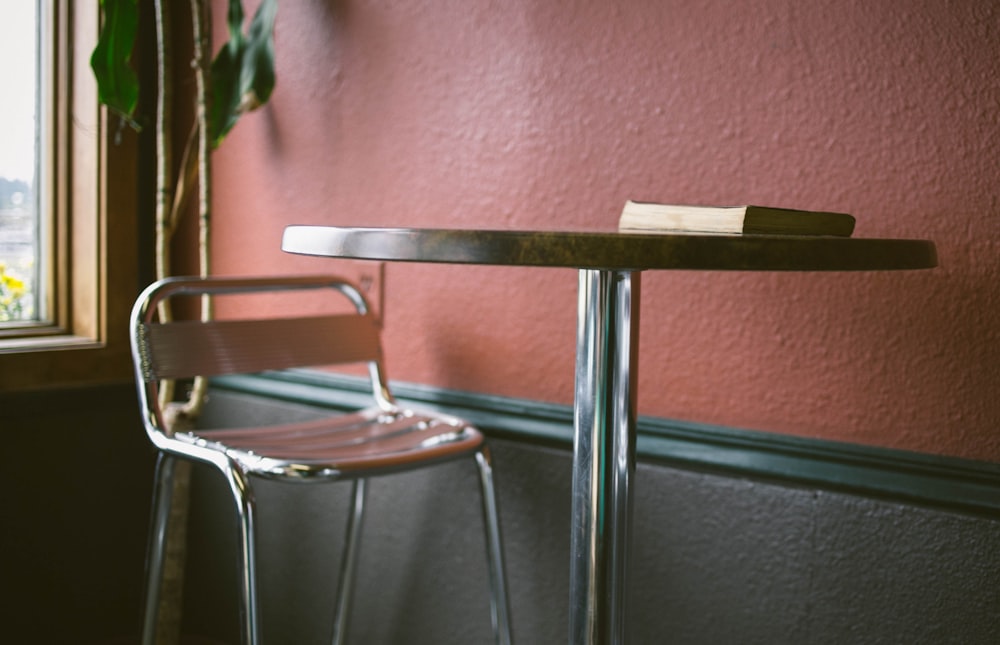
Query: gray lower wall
[716, 559]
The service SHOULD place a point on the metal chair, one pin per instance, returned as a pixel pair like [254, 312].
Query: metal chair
[382, 439]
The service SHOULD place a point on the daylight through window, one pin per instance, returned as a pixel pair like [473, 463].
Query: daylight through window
[20, 226]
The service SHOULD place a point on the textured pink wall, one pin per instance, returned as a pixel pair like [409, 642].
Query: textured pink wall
[546, 114]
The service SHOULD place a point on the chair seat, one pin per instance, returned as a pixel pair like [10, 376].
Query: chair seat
[370, 441]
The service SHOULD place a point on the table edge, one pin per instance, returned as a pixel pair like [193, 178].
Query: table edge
[610, 250]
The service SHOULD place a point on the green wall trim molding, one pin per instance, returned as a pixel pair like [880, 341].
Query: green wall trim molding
[916, 478]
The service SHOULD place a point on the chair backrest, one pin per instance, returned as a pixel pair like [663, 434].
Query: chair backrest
[190, 348]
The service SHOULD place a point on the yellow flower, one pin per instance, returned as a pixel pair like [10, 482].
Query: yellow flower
[13, 283]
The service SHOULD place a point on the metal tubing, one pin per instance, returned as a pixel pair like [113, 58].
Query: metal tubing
[163, 488]
[349, 561]
[244, 499]
[499, 606]
[603, 454]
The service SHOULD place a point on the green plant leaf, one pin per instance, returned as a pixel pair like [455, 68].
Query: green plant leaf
[243, 71]
[117, 84]
[258, 66]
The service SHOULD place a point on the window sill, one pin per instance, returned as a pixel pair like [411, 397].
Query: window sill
[47, 343]
[62, 361]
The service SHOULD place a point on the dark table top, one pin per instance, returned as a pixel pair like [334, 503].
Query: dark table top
[611, 250]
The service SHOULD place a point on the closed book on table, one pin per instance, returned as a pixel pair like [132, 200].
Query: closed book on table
[649, 217]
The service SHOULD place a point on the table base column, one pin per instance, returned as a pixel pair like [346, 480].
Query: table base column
[603, 453]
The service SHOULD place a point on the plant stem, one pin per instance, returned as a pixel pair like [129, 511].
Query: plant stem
[164, 163]
[199, 25]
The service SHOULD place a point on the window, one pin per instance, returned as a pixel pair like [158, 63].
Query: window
[82, 280]
[19, 223]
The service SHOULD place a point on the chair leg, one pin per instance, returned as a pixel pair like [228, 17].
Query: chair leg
[349, 561]
[163, 488]
[243, 497]
[499, 605]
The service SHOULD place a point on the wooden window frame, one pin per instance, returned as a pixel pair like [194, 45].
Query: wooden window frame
[91, 203]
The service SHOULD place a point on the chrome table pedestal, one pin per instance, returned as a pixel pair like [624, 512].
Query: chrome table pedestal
[603, 453]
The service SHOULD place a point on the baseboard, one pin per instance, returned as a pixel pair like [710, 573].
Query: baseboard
[916, 478]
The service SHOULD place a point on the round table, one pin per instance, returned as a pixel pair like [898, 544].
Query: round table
[610, 265]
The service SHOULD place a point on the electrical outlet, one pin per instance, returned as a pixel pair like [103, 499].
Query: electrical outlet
[369, 276]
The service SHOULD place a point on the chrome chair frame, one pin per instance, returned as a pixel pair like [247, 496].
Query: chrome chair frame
[382, 439]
